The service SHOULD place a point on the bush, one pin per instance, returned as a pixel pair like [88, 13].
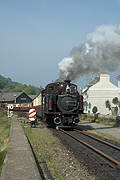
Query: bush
[97, 120]
[89, 119]
[92, 120]
[2, 112]
[112, 123]
[83, 116]
[94, 110]
[22, 114]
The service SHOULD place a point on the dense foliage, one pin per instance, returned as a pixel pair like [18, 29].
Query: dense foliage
[7, 85]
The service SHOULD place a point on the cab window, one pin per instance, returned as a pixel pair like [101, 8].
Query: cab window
[50, 89]
[72, 89]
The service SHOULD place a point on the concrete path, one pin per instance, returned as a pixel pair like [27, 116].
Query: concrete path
[19, 162]
[113, 131]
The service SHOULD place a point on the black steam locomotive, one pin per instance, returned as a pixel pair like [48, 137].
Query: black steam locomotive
[61, 104]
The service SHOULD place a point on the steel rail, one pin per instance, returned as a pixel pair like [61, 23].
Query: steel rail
[116, 163]
[99, 140]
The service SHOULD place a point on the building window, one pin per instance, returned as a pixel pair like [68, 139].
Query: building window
[23, 99]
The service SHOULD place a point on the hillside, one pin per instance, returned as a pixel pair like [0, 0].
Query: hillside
[7, 85]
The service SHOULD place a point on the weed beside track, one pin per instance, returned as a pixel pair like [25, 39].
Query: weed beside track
[52, 155]
[5, 124]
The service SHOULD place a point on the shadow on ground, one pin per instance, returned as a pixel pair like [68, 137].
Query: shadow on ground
[84, 127]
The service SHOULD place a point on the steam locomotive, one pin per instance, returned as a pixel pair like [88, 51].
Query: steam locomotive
[61, 104]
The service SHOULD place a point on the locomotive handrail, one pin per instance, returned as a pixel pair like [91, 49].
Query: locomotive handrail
[65, 94]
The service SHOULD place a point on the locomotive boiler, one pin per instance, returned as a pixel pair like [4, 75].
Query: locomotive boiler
[61, 104]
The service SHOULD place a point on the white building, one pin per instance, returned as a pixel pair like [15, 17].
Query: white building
[97, 94]
[37, 100]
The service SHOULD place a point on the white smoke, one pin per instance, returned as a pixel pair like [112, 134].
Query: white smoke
[65, 67]
[100, 51]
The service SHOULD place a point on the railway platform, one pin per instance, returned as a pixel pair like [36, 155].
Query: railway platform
[19, 163]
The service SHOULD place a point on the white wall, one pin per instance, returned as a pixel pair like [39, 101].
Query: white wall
[100, 92]
[38, 100]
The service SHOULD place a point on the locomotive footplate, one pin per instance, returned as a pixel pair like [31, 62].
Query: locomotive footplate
[61, 113]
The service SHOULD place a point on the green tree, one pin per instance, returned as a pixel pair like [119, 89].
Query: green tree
[7, 85]
[30, 90]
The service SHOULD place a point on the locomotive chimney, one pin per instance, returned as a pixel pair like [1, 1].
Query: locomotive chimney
[67, 81]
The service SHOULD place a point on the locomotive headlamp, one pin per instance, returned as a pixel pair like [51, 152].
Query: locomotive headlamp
[67, 81]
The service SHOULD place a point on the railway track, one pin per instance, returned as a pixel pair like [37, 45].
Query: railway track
[108, 151]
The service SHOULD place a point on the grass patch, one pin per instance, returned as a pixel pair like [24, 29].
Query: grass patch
[2, 157]
[107, 121]
[5, 124]
[49, 151]
[86, 118]
[46, 150]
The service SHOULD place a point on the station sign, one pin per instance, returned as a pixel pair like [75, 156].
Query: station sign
[10, 110]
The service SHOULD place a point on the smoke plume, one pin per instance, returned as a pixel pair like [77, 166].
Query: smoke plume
[100, 51]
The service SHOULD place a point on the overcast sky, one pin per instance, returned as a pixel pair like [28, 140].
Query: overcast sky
[35, 35]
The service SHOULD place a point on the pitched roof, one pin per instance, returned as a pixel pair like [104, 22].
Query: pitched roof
[98, 83]
[32, 96]
[118, 78]
[9, 96]
[103, 73]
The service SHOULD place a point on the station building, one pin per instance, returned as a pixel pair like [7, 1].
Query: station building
[37, 101]
[17, 99]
